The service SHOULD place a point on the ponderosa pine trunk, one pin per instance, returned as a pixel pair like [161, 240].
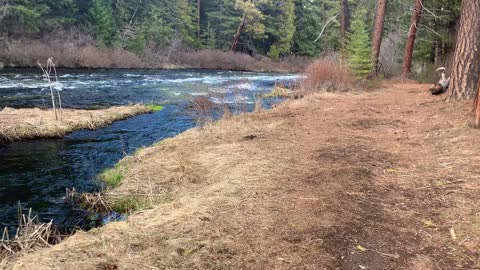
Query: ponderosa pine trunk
[378, 33]
[476, 108]
[199, 4]
[466, 60]
[236, 38]
[344, 25]
[412, 34]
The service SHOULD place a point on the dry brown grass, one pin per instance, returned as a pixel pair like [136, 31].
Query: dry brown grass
[31, 235]
[331, 181]
[326, 75]
[217, 59]
[26, 53]
[25, 124]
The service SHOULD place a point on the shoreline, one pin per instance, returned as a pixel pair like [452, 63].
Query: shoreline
[27, 124]
[327, 181]
[173, 68]
[93, 57]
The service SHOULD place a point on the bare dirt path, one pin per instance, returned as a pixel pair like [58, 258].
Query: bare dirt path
[381, 180]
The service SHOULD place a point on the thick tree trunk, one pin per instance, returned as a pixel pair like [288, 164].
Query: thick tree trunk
[236, 38]
[476, 108]
[199, 5]
[412, 34]
[466, 61]
[345, 25]
[378, 33]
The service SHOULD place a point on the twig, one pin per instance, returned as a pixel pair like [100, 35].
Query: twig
[325, 26]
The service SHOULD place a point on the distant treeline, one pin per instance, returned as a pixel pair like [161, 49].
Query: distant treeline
[274, 28]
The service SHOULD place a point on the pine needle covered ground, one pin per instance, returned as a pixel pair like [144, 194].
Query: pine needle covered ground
[24, 124]
[380, 180]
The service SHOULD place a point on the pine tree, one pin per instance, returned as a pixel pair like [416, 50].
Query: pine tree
[101, 19]
[283, 28]
[466, 63]
[359, 49]
[308, 17]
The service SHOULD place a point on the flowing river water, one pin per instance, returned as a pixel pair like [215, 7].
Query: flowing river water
[36, 173]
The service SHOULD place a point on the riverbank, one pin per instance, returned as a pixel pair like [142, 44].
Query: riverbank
[27, 124]
[27, 54]
[379, 180]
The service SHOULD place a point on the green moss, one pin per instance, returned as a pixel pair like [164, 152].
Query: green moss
[154, 108]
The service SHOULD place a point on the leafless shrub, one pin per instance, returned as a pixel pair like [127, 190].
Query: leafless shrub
[90, 201]
[325, 75]
[49, 71]
[202, 109]
[217, 59]
[258, 105]
[31, 234]
[73, 47]
[28, 53]
[391, 54]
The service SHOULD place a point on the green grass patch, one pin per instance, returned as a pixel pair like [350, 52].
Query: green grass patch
[278, 92]
[130, 204]
[154, 108]
[112, 177]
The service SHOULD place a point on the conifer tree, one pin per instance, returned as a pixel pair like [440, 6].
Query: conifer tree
[101, 19]
[284, 23]
[359, 49]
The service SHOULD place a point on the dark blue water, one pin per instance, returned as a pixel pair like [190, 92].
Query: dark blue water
[37, 173]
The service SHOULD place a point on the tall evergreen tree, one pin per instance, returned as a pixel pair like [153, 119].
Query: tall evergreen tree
[308, 21]
[101, 19]
[283, 28]
[359, 49]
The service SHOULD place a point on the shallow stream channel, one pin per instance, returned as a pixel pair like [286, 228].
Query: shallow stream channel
[37, 173]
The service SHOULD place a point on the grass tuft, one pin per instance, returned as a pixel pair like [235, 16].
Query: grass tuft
[112, 177]
[154, 108]
[128, 204]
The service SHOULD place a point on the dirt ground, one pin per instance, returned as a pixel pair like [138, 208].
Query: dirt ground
[387, 179]
[25, 124]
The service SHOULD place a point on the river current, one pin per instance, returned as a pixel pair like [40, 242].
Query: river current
[36, 173]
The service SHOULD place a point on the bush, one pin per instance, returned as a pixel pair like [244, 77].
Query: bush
[326, 75]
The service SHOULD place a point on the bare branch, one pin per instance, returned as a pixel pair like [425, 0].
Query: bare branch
[424, 8]
[325, 26]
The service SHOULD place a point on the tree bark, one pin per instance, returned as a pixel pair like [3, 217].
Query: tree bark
[199, 4]
[476, 108]
[378, 33]
[466, 63]
[412, 34]
[239, 31]
[345, 25]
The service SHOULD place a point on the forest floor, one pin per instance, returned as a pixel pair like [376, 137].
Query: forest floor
[387, 179]
[26, 124]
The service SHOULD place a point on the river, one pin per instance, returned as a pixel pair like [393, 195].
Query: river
[37, 173]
